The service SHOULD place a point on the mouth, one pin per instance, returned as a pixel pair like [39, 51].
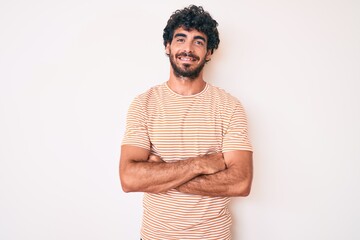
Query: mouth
[187, 57]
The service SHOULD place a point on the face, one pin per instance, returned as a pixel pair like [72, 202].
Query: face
[188, 53]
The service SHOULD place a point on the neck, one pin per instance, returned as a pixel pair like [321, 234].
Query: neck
[186, 86]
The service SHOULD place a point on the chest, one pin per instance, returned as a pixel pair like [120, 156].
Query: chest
[191, 127]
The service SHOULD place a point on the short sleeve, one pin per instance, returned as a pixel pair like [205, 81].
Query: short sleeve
[136, 132]
[236, 136]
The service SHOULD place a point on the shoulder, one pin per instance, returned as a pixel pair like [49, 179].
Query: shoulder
[151, 92]
[143, 104]
[222, 96]
[151, 95]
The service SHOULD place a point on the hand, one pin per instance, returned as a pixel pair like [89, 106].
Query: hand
[154, 158]
[213, 163]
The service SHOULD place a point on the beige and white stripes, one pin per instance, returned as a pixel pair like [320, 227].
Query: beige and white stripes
[177, 127]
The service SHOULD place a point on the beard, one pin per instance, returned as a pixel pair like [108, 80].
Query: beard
[185, 70]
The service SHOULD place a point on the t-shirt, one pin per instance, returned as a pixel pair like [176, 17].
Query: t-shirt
[176, 127]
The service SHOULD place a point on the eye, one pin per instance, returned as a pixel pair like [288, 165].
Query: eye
[199, 42]
[180, 40]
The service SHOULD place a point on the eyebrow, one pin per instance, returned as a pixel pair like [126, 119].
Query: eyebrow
[200, 37]
[184, 35]
[180, 35]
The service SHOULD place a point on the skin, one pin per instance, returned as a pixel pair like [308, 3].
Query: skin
[140, 172]
[212, 174]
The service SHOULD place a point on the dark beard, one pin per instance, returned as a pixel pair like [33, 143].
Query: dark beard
[186, 72]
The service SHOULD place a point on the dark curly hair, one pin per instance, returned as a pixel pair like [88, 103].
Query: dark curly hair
[193, 17]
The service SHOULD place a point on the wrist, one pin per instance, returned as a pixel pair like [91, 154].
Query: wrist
[197, 164]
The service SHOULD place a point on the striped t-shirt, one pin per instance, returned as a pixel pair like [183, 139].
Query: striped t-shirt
[177, 127]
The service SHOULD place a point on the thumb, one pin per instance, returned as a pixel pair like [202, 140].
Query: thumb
[154, 158]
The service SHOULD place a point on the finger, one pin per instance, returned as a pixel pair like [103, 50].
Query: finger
[154, 158]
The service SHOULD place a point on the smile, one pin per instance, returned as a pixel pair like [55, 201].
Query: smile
[187, 57]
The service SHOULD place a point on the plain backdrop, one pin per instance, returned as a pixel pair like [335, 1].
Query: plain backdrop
[69, 70]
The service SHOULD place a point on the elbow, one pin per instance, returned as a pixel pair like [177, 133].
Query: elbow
[127, 181]
[125, 188]
[132, 186]
[127, 185]
[244, 186]
[243, 190]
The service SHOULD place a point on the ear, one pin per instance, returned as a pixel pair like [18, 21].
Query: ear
[167, 49]
[208, 55]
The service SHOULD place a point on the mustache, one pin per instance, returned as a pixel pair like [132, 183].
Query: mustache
[187, 54]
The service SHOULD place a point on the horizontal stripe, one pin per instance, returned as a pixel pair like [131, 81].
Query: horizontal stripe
[176, 127]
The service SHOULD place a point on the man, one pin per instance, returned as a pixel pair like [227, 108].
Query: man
[186, 143]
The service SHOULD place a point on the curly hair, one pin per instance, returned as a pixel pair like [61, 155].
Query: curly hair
[193, 17]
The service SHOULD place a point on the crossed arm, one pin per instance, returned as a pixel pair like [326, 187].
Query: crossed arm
[216, 174]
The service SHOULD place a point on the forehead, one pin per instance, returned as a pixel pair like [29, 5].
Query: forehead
[190, 33]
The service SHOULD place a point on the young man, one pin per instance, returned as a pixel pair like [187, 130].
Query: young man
[186, 143]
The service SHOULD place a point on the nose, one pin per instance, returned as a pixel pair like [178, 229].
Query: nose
[188, 46]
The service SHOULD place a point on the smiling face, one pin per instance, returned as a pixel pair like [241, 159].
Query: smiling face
[188, 52]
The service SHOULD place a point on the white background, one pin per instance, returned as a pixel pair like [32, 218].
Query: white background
[69, 70]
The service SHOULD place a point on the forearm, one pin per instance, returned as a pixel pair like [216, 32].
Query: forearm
[142, 172]
[155, 177]
[226, 183]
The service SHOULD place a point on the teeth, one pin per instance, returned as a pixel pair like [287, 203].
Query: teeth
[186, 59]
